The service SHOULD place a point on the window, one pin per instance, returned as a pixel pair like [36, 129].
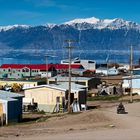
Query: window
[91, 62]
[77, 62]
[65, 61]
[25, 70]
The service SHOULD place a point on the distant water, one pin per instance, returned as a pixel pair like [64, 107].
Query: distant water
[101, 56]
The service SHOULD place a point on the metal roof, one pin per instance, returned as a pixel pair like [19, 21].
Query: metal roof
[39, 66]
[133, 77]
[74, 87]
[7, 99]
[9, 96]
[61, 86]
[61, 78]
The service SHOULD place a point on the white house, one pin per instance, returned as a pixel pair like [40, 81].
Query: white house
[107, 71]
[135, 84]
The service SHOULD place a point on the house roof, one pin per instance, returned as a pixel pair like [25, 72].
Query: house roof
[39, 66]
[133, 77]
[7, 99]
[41, 86]
[30, 66]
[61, 86]
[9, 96]
[66, 66]
[61, 78]
[74, 87]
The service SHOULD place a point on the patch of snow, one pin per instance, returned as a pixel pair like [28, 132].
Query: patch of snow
[5, 28]
[92, 20]
[95, 23]
[50, 25]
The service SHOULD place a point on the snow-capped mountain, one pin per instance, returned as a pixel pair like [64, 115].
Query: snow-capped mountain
[95, 23]
[84, 24]
[5, 28]
[91, 34]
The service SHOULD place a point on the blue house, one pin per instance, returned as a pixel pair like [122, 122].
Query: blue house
[11, 106]
[136, 71]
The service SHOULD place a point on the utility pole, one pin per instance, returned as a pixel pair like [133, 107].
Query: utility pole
[131, 73]
[47, 66]
[46, 69]
[69, 47]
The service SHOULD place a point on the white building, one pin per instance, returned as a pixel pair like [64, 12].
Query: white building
[87, 64]
[107, 71]
[135, 84]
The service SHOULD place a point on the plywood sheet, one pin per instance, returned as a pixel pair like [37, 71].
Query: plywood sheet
[1, 108]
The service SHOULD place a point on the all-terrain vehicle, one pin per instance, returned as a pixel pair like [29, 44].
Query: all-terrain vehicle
[121, 109]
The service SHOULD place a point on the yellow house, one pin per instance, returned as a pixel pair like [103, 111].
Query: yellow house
[50, 97]
[24, 83]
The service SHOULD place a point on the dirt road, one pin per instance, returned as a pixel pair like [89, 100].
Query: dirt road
[98, 124]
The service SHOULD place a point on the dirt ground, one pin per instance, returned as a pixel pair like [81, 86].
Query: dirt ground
[98, 124]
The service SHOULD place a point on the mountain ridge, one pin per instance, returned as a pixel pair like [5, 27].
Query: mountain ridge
[21, 41]
[96, 23]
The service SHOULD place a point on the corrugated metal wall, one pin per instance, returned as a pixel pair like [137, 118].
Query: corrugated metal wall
[15, 110]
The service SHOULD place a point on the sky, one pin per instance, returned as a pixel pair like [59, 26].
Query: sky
[39, 12]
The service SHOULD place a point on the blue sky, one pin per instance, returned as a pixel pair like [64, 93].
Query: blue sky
[36, 12]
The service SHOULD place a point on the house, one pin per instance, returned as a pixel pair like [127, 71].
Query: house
[64, 68]
[107, 71]
[135, 85]
[11, 106]
[83, 72]
[25, 70]
[90, 82]
[87, 64]
[23, 83]
[16, 71]
[49, 98]
[136, 71]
